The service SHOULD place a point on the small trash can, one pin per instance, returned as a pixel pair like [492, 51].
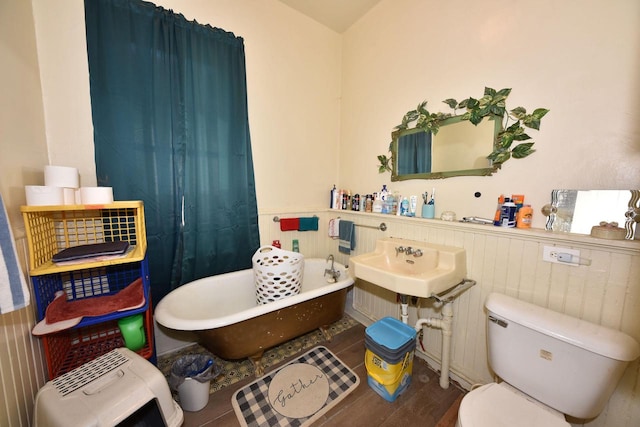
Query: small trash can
[390, 346]
[191, 376]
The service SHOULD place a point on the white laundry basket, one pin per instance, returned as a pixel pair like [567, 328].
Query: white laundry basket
[278, 273]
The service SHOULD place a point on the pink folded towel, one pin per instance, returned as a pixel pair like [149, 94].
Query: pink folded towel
[289, 224]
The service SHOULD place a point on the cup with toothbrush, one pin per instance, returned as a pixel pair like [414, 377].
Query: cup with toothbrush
[429, 206]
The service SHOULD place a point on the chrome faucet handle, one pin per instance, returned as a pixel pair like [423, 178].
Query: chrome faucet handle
[399, 249]
[417, 253]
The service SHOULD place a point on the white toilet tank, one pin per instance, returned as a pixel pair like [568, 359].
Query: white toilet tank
[566, 363]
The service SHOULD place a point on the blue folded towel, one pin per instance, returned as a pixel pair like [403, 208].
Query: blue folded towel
[308, 224]
[347, 236]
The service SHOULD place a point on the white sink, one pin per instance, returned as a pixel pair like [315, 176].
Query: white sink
[438, 269]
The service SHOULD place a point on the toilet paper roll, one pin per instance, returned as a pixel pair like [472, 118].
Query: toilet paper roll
[69, 196]
[61, 176]
[43, 195]
[96, 195]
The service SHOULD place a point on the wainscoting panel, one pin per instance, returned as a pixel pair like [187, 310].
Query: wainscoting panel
[22, 366]
[509, 261]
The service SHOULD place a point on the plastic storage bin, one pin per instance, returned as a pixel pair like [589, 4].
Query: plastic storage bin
[90, 283]
[390, 346]
[51, 229]
[66, 350]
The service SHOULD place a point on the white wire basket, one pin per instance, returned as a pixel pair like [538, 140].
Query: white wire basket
[278, 273]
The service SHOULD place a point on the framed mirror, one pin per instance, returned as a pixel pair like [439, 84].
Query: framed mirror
[459, 148]
[576, 211]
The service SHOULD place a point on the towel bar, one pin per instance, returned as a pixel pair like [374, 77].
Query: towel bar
[381, 227]
[277, 219]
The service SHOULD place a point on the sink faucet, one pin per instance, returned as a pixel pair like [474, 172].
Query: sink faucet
[333, 274]
[409, 251]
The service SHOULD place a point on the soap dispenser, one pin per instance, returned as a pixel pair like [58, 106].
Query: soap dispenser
[377, 204]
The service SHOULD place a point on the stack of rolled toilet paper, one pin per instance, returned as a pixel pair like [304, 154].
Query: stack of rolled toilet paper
[62, 187]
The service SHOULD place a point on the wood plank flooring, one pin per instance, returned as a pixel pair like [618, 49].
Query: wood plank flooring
[423, 404]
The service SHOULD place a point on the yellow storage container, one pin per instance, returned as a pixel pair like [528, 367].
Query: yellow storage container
[50, 229]
[386, 379]
[390, 347]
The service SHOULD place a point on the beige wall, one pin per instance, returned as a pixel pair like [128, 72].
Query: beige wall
[23, 151]
[578, 58]
[322, 106]
[22, 130]
[293, 83]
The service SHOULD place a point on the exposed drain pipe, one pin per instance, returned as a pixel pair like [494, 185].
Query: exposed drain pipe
[445, 323]
[404, 311]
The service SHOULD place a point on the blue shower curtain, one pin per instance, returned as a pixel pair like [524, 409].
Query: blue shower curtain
[169, 106]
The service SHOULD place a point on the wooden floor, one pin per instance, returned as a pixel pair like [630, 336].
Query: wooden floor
[423, 404]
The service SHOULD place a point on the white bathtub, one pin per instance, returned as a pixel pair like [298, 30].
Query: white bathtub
[223, 312]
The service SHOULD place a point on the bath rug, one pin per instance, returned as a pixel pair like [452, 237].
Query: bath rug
[237, 370]
[296, 394]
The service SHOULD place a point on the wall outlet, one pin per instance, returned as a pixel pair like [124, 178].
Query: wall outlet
[561, 255]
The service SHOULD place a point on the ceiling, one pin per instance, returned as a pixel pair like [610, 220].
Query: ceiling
[335, 14]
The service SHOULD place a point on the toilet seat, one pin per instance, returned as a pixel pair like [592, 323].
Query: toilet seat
[499, 405]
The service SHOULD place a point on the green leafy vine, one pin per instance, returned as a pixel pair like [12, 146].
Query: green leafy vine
[492, 103]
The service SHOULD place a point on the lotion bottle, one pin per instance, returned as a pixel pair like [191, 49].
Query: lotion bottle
[334, 198]
[525, 215]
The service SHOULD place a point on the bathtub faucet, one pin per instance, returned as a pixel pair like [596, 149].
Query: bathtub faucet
[332, 271]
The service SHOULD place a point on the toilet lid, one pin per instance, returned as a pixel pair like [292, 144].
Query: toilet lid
[496, 405]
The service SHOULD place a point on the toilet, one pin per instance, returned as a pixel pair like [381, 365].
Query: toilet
[550, 364]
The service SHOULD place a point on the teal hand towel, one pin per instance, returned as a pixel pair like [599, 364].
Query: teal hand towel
[347, 236]
[308, 224]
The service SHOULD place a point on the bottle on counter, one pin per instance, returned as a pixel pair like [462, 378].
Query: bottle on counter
[508, 213]
[334, 198]
[498, 215]
[384, 198]
[377, 205]
[345, 200]
[525, 215]
[368, 207]
[387, 204]
[413, 205]
[404, 207]
[355, 202]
